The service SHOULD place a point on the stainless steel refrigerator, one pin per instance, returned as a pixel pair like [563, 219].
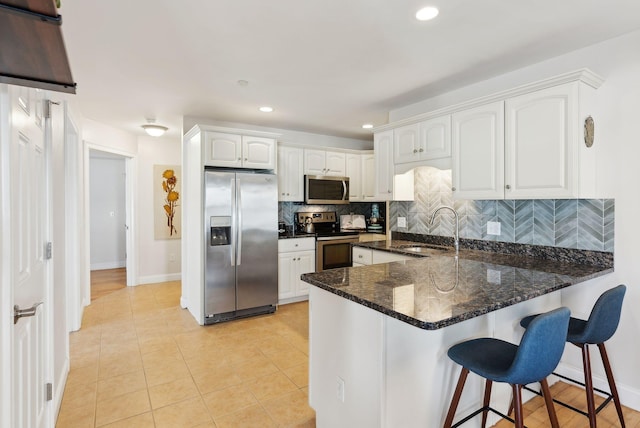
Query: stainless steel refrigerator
[241, 241]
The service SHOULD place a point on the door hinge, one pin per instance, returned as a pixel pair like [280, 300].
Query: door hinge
[48, 251]
[49, 391]
[47, 108]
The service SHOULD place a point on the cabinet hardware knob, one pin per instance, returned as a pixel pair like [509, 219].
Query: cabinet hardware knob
[453, 189]
[239, 159]
[415, 150]
[421, 150]
[296, 245]
[287, 194]
[388, 191]
[508, 187]
[360, 256]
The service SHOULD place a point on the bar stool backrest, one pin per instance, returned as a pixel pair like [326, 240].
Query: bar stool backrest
[604, 318]
[540, 349]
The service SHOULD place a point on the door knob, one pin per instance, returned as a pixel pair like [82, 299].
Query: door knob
[23, 313]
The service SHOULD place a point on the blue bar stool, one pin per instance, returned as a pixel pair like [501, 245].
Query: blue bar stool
[601, 325]
[498, 361]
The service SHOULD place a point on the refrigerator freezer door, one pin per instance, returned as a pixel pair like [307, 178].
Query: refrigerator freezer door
[257, 253]
[220, 270]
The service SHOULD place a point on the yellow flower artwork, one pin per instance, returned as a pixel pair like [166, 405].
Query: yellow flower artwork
[167, 199]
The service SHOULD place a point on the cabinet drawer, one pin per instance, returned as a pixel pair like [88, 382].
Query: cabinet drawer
[361, 256]
[296, 244]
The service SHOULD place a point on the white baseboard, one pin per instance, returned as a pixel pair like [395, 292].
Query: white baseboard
[629, 396]
[108, 265]
[151, 279]
[59, 384]
[293, 299]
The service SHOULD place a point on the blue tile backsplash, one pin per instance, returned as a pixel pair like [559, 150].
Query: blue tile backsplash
[585, 224]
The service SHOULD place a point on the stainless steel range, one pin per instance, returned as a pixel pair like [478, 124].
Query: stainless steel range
[333, 246]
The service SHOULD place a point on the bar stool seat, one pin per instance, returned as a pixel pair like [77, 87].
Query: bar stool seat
[601, 325]
[532, 360]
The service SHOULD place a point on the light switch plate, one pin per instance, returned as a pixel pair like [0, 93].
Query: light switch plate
[493, 228]
[402, 222]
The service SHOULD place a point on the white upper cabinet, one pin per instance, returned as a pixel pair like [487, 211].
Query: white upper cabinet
[362, 178]
[406, 143]
[354, 172]
[545, 154]
[222, 149]
[290, 174]
[324, 162]
[368, 177]
[238, 151]
[258, 152]
[435, 138]
[423, 141]
[478, 152]
[383, 151]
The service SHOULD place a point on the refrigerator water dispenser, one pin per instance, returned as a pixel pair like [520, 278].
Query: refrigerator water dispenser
[220, 231]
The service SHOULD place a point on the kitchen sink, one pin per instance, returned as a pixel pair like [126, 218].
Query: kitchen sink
[423, 248]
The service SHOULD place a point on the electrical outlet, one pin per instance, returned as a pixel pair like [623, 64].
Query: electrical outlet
[402, 222]
[340, 389]
[493, 228]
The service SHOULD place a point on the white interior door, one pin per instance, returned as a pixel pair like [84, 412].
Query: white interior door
[28, 202]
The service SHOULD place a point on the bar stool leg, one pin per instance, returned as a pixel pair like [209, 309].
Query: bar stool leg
[456, 398]
[588, 381]
[612, 382]
[548, 400]
[485, 403]
[517, 404]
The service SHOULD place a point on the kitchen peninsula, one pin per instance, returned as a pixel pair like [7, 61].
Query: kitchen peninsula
[379, 334]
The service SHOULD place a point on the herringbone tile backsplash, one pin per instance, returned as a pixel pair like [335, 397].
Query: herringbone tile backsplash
[585, 224]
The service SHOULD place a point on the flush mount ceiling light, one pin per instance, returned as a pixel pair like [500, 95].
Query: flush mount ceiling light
[427, 13]
[266, 109]
[367, 126]
[153, 129]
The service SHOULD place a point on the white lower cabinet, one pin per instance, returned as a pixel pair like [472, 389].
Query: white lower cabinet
[365, 256]
[295, 257]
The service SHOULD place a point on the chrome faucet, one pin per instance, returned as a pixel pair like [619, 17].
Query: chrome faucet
[456, 234]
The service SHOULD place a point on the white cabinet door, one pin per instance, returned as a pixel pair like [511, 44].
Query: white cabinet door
[290, 174]
[406, 144]
[336, 164]
[378, 257]
[478, 152]
[539, 149]
[286, 272]
[383, 152]
[258, 152]
[314, 162]
[222, 149]
[306, 263]
[354, 172]
[368, 178]
[435, 138]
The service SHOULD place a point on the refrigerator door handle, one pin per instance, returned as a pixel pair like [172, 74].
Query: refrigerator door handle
[239, 220]
[234, 226]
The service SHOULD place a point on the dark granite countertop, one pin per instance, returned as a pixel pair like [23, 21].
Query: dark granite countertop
[436, 289]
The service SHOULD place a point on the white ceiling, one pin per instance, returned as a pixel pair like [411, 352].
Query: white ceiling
[326, 66]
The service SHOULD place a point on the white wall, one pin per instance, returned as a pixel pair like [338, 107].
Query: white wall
[618, 175]
[107, 207]
[158, 260]
[288, 136]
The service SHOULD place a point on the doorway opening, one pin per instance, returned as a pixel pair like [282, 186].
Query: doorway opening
[108, 209]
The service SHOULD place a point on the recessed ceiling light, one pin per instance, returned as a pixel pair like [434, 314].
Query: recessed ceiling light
[243, 82]
[367, 126]
[266, 109]
[427, 13]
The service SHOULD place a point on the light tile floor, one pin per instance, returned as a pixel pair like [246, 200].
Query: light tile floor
[142, 361]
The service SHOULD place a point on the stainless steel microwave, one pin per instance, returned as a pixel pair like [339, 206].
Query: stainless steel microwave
[320, 189]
